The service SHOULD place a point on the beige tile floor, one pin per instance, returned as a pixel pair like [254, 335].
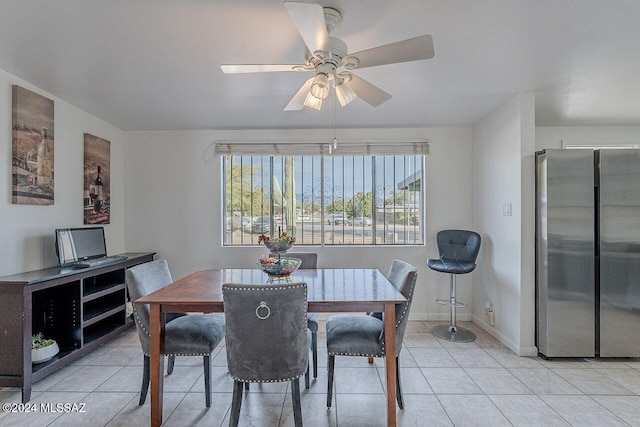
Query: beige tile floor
[474, 384]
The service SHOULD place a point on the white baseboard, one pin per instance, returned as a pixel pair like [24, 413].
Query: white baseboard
[517, 349]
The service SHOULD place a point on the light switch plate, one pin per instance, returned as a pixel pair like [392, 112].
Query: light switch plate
[506, 209]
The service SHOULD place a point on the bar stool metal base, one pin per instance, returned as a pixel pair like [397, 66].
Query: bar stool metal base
[455, 334]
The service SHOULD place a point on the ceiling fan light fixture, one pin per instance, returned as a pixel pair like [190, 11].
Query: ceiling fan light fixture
[345, 93]
[320, 86]
[313, 102]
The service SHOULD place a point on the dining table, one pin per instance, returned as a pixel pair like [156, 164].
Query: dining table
[329, 290]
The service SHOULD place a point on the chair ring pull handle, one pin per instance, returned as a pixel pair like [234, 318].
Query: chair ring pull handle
[263, 311]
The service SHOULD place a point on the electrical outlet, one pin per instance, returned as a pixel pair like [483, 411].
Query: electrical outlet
[506, 209]
[491, 315]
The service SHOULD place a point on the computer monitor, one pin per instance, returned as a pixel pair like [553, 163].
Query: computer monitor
[75, 245]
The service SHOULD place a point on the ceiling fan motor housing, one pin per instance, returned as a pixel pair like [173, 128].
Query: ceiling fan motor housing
[323, 62]
[332, 18]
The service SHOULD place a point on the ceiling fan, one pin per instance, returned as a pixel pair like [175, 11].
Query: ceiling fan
[328, 58]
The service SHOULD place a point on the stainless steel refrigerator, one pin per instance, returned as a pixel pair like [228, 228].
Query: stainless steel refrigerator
[588, 253]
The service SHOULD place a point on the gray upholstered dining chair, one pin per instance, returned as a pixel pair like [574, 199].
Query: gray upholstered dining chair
[185, 334]
[266, 339]
[309, 260]
[458, 251]
[363, 335]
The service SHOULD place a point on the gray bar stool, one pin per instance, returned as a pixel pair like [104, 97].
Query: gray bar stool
[458, 251]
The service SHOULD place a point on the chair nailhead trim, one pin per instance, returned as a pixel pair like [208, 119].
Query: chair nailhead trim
[356, 354]
[267, 381]
[405, 308]
[359, 354]
[266, 288]
[182, 354]
[138, 322]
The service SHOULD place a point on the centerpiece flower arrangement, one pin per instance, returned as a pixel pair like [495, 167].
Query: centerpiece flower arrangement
[278, 267]
[282, 244]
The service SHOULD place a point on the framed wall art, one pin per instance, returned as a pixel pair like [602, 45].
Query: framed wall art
[32, 148]
[97, 179]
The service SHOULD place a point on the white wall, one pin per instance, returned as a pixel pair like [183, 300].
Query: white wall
[503, 146]
[27, 231]
[173, 204]
[553, 136]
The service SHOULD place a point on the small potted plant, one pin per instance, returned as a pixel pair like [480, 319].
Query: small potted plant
[42, 349]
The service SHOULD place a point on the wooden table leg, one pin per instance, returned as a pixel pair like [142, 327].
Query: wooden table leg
[390, 360]
[156, 332]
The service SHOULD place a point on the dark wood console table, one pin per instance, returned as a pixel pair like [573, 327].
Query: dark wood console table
[80, 308]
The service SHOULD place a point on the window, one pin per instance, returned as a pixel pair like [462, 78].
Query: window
[323, 199]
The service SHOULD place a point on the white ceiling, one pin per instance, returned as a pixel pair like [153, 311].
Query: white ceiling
[155, 64]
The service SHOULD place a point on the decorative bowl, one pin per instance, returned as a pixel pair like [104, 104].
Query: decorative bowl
[277, 246]
[282, 267]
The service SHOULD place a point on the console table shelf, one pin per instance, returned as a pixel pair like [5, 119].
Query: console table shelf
[99, 292]
[79, 308]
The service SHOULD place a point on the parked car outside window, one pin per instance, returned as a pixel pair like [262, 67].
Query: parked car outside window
[262, 224]
[337, 219]
[362, 221]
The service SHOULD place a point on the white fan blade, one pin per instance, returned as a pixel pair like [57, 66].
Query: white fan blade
[257, 68]
[369, 93]
[297, 102]
[309, 19]
[403, 51]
